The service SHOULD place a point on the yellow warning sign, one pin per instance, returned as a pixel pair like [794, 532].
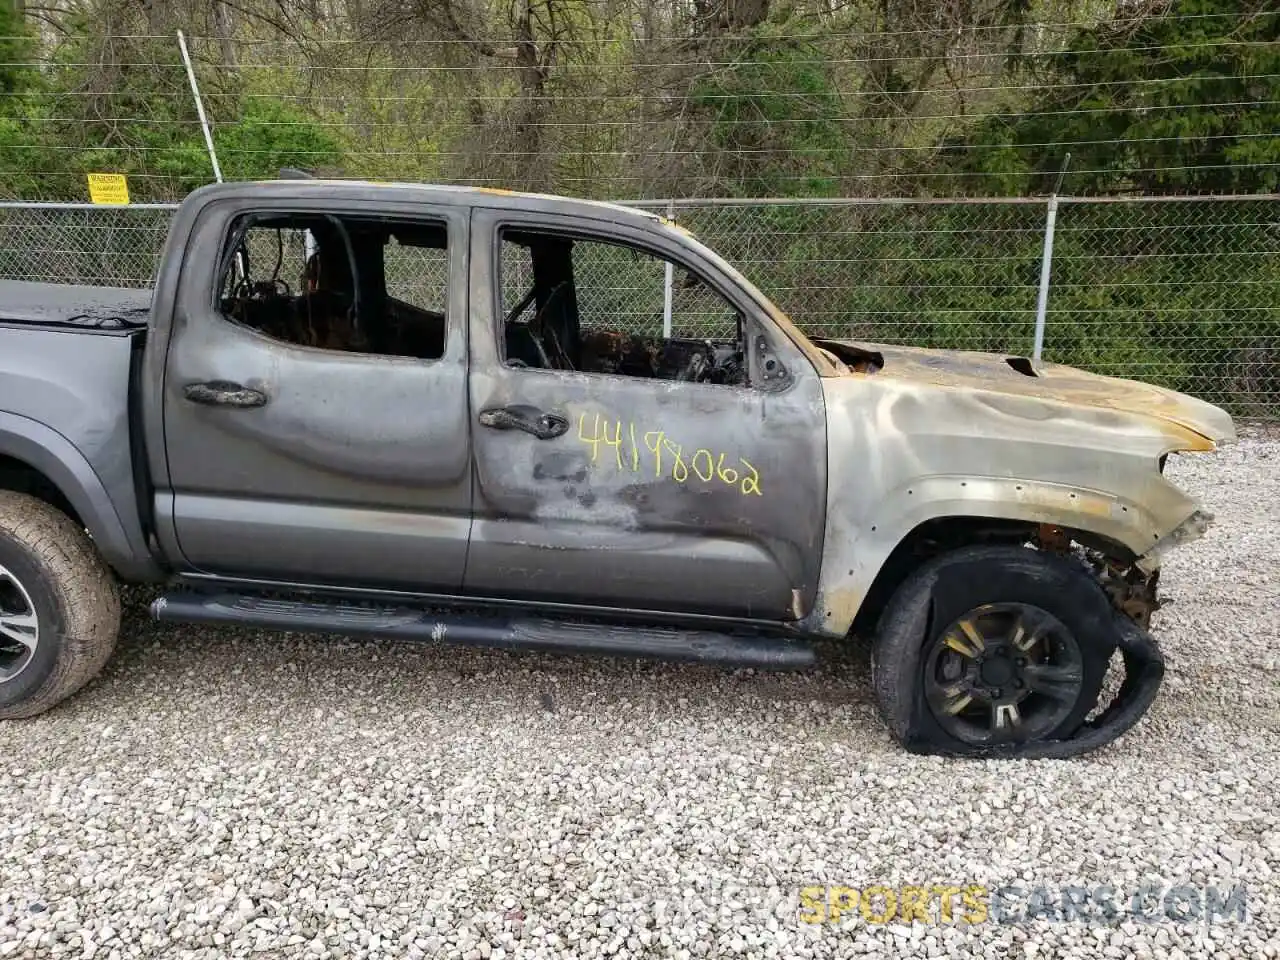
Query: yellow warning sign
[110, 188]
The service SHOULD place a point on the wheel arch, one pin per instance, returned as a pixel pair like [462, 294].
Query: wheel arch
[21, 477]
[867, 556]
[37, 460]
[938, 535]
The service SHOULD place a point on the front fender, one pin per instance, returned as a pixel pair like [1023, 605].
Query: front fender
[44, 449]
[857, 550]
[900, 454]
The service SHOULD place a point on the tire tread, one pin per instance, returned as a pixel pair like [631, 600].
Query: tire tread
[83, 587]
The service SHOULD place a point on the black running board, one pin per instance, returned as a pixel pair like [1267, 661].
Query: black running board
[478, 630]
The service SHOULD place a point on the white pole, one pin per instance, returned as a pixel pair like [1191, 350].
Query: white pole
[668, 282]
[204, 121]
[1046, 262]
[1046, 265]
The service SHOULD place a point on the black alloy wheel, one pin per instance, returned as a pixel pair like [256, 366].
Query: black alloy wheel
[1003, 673]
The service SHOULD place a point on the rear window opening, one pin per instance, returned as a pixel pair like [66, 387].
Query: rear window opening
[369, 285]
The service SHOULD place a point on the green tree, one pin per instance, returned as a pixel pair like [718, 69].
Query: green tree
[267, 135]
[121, 104]
[1185, 101]
[20, 88]
[762, 122]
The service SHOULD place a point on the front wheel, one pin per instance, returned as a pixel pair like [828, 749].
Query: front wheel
[59, 608]
[997, 651]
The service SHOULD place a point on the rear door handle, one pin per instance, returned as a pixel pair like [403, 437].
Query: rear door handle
[224, 393]
[544, 426]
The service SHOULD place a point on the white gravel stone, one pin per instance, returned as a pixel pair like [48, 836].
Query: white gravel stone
[222, 794]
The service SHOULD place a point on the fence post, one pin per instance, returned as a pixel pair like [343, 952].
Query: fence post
[204, 121]
[668, 281]
[1046, 262]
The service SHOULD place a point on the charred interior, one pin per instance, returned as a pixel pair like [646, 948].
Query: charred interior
[378, 286]
[596, 307]
[361, 285]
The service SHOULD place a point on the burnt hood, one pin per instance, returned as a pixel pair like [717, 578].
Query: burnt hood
[1020, 376]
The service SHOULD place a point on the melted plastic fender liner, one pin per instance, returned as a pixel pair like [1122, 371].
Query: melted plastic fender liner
[907, 623]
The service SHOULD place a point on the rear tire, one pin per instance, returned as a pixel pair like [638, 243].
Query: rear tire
[59, 607]
[993, 651]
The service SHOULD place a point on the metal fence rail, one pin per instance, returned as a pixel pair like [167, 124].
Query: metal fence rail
[1182, 291]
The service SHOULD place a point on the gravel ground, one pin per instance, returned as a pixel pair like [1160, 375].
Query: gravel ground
[219, 793]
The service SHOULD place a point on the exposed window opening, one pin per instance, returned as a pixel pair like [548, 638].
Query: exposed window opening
[596, 306]
[348, 284]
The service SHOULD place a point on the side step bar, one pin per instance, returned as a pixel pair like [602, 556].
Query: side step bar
[501, 632]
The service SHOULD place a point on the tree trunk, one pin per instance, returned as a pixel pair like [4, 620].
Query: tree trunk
[533, 86]
[224, 28]
[743, 14]
[156, 14]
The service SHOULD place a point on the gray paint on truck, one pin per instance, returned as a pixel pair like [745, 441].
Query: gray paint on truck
[60, 304]
[356, 470]
[388, 497]
[646, 516]
[64, 411]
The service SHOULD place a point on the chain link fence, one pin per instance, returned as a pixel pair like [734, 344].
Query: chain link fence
[1181, 291]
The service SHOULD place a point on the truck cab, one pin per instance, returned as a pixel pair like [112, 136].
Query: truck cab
[444, 391]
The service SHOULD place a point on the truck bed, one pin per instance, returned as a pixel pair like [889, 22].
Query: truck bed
[67, 373]
[73, 306]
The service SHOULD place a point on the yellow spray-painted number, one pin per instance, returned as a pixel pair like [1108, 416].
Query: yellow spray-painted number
[628, 454]
[679, 472]
[656, 449]
[594, 439]
[697, 465]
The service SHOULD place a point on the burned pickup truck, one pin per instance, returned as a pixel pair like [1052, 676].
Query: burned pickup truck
[478, 417]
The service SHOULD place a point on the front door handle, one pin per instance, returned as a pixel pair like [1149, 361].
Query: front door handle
[223, 393]
[544, 426]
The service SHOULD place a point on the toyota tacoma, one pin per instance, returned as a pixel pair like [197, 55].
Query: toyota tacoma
[520, 421]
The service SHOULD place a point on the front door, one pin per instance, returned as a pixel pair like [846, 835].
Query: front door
[315, 400]
[616, 465]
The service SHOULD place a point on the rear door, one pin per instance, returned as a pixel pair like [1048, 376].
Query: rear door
[315, 408]
[620, 488]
